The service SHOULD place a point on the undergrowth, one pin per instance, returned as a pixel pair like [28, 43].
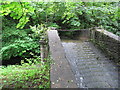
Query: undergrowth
[34, 74]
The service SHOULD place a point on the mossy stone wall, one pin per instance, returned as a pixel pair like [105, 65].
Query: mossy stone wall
[108, 42]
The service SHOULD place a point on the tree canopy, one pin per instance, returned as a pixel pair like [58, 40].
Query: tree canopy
[65, 14]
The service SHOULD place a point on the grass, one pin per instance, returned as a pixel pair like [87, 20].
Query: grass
[28, 75]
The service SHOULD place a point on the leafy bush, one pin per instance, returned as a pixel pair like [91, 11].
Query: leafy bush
[17, 42]
[18, 11]
[39, 30]
[70, 15]
[93, 14]
[33, 74]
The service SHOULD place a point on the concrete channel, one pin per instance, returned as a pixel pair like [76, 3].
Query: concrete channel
[82, 64]
[91, 68]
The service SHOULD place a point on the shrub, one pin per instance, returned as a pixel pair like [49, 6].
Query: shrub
[17, 42]
[33, 74]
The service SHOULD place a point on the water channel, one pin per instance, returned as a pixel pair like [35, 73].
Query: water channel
[91, 67]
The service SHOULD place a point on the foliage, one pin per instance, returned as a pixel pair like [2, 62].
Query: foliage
[53, 25]
[16, 42]
[39, 30]
[69, 15]
[92, 14]
[17, 10]
[29, 75]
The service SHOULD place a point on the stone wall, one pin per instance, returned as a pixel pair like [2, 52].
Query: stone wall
[107, 41]
[60, 72]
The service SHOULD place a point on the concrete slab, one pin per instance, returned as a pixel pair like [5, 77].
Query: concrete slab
[61, 74]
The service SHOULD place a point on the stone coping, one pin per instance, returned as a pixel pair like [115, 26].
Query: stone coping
[61, 75]
[109, 34]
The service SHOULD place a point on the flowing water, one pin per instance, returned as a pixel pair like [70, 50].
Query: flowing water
[91, 67]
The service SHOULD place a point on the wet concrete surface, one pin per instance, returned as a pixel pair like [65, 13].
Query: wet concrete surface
[91, 67]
